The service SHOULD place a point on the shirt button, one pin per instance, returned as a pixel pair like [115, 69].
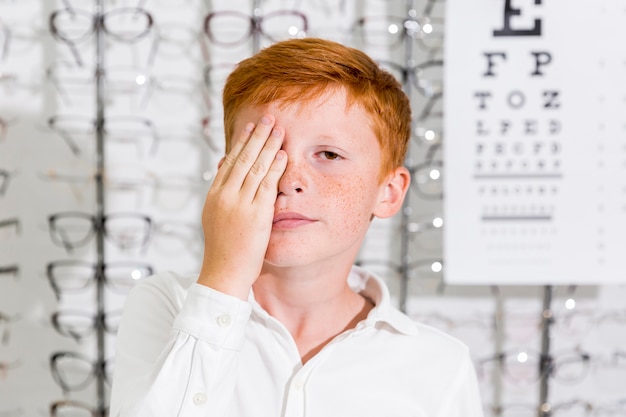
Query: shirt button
[223, 320]
[199, 398]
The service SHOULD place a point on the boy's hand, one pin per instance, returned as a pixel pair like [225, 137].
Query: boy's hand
[239, 209]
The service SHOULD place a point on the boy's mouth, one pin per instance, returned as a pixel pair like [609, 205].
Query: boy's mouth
[290, 220]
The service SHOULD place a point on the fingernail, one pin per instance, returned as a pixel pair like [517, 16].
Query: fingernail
[280, 155]
[265, 120]
[276, 132]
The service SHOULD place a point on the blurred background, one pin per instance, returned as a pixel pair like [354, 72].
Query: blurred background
[110, 131]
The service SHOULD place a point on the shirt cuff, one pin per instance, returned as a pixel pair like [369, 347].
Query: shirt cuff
[214, 317]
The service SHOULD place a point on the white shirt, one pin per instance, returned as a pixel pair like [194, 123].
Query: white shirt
[186, 350]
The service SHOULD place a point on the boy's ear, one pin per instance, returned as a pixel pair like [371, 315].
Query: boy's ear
[392, 192]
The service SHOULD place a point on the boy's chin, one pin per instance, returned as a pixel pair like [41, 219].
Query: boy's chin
[281, 262]
[289, 257]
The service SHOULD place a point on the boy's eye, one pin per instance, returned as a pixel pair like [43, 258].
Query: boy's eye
[330, 155]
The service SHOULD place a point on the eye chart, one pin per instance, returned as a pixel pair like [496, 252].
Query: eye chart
[535, 142]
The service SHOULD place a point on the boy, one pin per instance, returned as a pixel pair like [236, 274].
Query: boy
[279, 322]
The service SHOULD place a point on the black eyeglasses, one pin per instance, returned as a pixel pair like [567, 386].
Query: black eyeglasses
[171, 3]
[426, 232]
[12, 223]
[428, 179]
[72, 230]
[73, 26]
[430, 7]
[419, 269]
[513, 410]
[5, 367]
[432, 108]
[175, 192]
[423, 275]
[70, 408]
[79, 324]
[5, 179]
[215, 75]
[176, 238]
[5, 326]
[20, 37]
[4, 127]
[79, 183]
[613, 408]
[575, 408]
[170, 191]
[74, 129]
[169, 89]
[213, 134]
[525, 367]
[71, 80]
[9, 81]
[6, 270]
[230, 28]
[179, 40]
[5, 36]
[74, 276]
[390, 31]
[73, 371]
[426, 77]
[425, 135]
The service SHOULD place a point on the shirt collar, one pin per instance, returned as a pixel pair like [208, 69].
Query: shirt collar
[374, 288]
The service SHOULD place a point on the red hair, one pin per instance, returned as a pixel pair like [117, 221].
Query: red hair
[305, 69]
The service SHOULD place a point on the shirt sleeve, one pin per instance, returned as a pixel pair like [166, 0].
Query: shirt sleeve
[177, 360]
[464, 399]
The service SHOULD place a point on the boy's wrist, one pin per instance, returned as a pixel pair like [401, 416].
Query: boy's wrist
[224, 284]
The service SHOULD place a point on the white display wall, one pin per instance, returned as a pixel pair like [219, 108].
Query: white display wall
[163, 139]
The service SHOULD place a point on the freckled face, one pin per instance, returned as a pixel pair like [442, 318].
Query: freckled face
[330, 189]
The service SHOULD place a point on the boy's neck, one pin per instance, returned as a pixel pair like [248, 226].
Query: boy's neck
[314, 307]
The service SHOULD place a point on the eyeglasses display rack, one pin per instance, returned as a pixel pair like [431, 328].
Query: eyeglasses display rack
[99, 215]
[405, 217]
[101, 396]
[545, 364]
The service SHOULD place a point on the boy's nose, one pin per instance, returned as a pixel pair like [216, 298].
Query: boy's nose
[293, 180]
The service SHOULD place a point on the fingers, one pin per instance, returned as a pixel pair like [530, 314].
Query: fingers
[254, 160]
[248, 146]
[245, 150]
[239, 155]
[265, 167]
[268, 187]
